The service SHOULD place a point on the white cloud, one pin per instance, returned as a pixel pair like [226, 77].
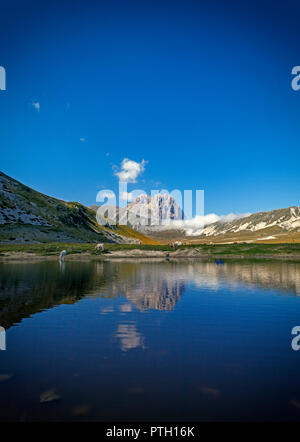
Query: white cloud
[130, 170]
[129, 337]
[82, 139]
[126, 308]
[195, 225]
[36, 105]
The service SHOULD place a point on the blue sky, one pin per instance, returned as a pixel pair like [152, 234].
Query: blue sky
[200, 90]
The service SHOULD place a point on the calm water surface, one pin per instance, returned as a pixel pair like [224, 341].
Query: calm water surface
[149, 341]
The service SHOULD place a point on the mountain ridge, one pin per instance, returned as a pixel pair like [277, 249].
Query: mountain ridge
[272, 225]
[28, 215]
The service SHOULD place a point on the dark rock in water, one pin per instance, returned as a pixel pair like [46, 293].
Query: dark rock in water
[49, 396]
[5, 377]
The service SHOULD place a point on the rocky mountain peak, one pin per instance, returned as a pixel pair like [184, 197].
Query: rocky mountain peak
[159, 207]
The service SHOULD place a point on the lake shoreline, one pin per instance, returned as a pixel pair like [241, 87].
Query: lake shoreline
[143, 254]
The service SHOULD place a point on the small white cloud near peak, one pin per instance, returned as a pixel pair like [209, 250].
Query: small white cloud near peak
[36, 105]
[130, 170]
[195, 225]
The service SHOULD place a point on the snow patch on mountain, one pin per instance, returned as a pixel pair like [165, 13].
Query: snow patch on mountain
[280, 219]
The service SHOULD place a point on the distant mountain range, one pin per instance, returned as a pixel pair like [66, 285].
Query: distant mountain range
[278, 225]
[274, 221]
[275, 225]
[29, 216]
[146, 211]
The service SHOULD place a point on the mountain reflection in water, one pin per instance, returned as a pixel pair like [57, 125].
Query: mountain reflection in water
[26, 289]
[149, 340]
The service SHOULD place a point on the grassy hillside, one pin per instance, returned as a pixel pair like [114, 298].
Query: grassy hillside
[128, 231]
[30, 216]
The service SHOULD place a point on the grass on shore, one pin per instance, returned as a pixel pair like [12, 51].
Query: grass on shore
[207, 249]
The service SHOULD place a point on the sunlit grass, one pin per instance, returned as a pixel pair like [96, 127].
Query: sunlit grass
[48, 249]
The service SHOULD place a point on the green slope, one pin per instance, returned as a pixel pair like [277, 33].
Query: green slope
[30, 216]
